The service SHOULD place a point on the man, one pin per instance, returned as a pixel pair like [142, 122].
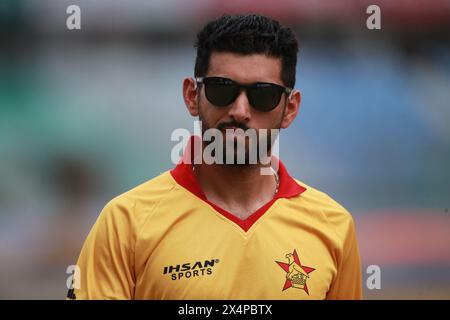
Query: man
[227, 231]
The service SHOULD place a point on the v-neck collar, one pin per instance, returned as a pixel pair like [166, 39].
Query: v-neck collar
[184, 176]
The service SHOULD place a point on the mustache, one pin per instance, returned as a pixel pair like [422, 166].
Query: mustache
[236, 124]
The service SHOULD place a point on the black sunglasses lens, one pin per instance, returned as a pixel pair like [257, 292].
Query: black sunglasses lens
[220, 92]
[265, 97]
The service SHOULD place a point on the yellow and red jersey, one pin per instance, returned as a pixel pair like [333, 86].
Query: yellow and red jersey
[165, 240]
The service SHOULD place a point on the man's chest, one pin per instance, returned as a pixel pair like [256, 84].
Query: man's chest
[216, 261]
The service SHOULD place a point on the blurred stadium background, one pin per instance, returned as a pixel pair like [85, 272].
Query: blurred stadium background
[86, 115]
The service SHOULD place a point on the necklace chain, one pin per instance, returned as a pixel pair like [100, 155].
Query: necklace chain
[277, 180]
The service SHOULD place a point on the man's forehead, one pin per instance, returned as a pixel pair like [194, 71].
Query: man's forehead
[247, 68]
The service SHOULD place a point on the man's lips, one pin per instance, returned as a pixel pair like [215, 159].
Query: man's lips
[234, 133]
[230, 127]
[233, 130]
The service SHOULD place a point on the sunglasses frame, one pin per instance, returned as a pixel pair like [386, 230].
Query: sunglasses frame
[200, 80]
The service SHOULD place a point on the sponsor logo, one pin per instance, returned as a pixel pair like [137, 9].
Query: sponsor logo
[191, 270]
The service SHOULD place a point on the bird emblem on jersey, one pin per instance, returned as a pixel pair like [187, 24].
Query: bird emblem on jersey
[296, 273]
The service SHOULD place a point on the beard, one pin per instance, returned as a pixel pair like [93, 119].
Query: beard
[241, 147]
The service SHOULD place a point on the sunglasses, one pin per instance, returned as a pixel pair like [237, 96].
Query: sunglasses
[262, 96]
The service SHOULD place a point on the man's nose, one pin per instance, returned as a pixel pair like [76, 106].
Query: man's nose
[240, 109]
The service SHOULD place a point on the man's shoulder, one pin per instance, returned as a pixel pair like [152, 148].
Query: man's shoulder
[323, 204]
[143, 196]
[151, 189]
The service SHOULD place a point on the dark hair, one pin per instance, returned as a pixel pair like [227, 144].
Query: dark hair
[248, 34]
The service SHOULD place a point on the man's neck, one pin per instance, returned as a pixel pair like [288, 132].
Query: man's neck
[239, 189]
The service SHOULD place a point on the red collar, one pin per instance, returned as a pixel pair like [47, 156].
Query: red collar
[184, 176]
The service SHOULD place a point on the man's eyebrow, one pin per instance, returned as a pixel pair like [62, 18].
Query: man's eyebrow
[279, 82]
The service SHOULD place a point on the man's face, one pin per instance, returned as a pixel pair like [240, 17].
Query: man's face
[244, 69]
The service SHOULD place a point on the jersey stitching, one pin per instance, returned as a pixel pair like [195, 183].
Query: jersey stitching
[151, 212]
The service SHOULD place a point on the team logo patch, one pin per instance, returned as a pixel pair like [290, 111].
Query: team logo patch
[296, 274]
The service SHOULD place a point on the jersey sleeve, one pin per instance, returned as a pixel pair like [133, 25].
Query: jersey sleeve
[106, 261]
[347, 284]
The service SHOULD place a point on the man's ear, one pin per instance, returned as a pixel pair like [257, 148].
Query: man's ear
[190, 96]
[292, 108]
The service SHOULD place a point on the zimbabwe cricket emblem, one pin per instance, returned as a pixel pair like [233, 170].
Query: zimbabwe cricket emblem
[296, 273]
